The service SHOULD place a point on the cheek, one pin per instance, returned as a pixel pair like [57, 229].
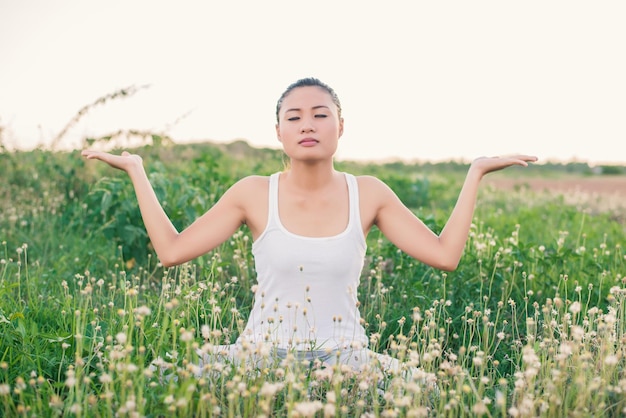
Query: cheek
[284, 132]
[279, 133]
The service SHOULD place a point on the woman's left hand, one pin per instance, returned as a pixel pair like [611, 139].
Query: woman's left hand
[486, 165]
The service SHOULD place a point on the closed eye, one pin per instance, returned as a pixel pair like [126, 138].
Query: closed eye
[293, 118]
[321, 116]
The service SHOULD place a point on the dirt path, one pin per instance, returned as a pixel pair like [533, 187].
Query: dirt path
[607, 185]
[601, 194]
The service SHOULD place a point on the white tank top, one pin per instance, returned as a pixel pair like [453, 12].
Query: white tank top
[306, 295]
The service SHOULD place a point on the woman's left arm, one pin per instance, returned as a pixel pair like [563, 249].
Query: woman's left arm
[444, 251]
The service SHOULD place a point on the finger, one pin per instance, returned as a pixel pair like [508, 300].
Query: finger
[94, 155]
[526, 157]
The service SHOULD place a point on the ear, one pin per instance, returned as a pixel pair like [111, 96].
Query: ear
[340, 127]
[278, 133]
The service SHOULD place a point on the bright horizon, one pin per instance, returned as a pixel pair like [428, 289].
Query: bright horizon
[417, 81]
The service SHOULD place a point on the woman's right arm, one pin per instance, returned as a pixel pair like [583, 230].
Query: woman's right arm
[172, 247]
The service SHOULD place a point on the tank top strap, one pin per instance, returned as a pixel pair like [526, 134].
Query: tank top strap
[272, 216]
[355, 210]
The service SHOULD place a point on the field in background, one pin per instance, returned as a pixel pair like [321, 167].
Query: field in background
[598, 193]
[532, 323]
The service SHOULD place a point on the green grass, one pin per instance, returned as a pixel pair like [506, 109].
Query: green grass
[530, 324]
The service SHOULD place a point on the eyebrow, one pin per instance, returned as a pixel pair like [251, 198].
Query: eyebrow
[297, 109]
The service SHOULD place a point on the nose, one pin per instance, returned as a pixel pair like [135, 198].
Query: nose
[307, 126]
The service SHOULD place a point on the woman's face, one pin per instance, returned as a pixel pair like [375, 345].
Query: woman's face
[309, 125]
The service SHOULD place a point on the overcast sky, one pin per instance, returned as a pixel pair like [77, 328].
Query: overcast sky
[418, 80]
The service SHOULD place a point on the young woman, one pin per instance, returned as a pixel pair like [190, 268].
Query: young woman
[308, 225]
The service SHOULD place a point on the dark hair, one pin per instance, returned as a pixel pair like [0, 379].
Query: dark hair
[307, 82]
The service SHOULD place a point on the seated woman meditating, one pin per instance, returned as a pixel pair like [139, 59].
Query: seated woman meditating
[309, 225]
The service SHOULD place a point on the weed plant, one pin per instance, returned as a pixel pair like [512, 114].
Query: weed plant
[530, 324]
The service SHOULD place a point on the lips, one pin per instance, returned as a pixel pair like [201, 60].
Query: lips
[308, 142]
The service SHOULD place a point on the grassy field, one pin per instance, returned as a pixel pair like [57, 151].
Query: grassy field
[530, 324]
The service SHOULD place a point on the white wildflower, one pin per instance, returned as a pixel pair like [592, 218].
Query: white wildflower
[308, 409]
[121, 338]
[575, 307]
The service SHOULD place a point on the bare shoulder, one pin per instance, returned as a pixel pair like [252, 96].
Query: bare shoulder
[370, 186]
[374, 196]
[248, 185]
[375, 193]
[249, 182]
[250, 195]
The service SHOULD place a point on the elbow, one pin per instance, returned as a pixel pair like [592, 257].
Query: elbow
[170, 254]
[170, 260]
[167, 263]
[448, 258]
[447, 265]
[438, 259]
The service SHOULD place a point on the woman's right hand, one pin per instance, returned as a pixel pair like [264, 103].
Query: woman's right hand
[126, 161]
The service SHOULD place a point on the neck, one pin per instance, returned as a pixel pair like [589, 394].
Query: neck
[310, 175]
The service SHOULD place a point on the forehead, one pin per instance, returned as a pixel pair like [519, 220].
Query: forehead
[306, 97]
